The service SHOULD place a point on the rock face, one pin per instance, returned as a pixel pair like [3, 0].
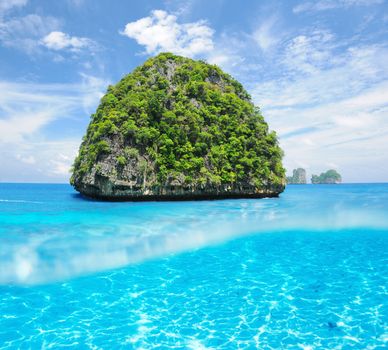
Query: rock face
[178, 129]
[329, 177]
[298, 176]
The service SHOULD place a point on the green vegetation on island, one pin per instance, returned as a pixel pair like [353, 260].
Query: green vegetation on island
[329, 177]
[176, 126]
[298, 176]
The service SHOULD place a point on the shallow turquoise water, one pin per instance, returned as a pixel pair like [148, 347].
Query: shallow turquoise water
[308, 270]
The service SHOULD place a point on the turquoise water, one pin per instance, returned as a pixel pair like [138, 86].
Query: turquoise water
[308, 270]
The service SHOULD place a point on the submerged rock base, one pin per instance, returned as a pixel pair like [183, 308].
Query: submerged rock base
[119, 192]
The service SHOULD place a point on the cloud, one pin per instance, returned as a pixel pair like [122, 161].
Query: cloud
[37, 161]
[180, 7]
[26, 107]
[16, 127]
[61, 164]
[59, 41]
[6, 5]
[29, 159]
[226, 52]
[307, 53]
[323, 5]
[93, 88]
[329, 106]
[31, 115]
[314, 82]
[32, 32]
[24, 33]
[161, 32]
[265, 35]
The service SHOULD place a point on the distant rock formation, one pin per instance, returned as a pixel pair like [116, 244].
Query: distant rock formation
[178, 129]
[298, 176]
[329, 177]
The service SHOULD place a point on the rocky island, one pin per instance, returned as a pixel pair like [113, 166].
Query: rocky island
[329, 177]
[298, 176]
[177, 129]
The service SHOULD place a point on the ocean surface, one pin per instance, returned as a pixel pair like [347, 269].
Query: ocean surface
[307, 270]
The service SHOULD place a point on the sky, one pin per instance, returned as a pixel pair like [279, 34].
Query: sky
[318, 70]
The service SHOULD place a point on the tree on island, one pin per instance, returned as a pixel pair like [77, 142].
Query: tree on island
[298, 176]
[329, 177]
[176, 128]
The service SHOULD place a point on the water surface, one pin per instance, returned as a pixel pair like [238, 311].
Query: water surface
[306, 270]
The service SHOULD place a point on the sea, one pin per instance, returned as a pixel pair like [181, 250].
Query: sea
[307, 270]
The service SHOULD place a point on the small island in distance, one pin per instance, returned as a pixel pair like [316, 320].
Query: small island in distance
[298, 176]
[329, 177]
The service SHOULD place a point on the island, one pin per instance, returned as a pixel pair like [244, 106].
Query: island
[178, 129]
[298, 176]
[329, 177]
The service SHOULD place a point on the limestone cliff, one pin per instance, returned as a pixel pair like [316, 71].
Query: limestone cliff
[298, 176]
[176, 128]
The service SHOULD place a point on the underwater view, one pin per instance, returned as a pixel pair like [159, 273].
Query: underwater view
[306, 270]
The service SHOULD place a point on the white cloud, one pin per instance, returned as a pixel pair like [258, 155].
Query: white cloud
[32, 32]
[28, 113]
[358, 68]
[266, 35]
[59, 41]
[24, 33]
[322, 5]
[94, 88]
[37, 161]
[307, 53]
[61, 164]
[180, 7]
[16, 127]
[226, 52]
[330, 107]
[29, 159]
[161, 32]
[6, 5]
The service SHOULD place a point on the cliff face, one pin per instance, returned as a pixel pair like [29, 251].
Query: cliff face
[176, 128]
[298, 176]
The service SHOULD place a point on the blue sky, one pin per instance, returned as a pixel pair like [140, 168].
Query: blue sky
[317, 69]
